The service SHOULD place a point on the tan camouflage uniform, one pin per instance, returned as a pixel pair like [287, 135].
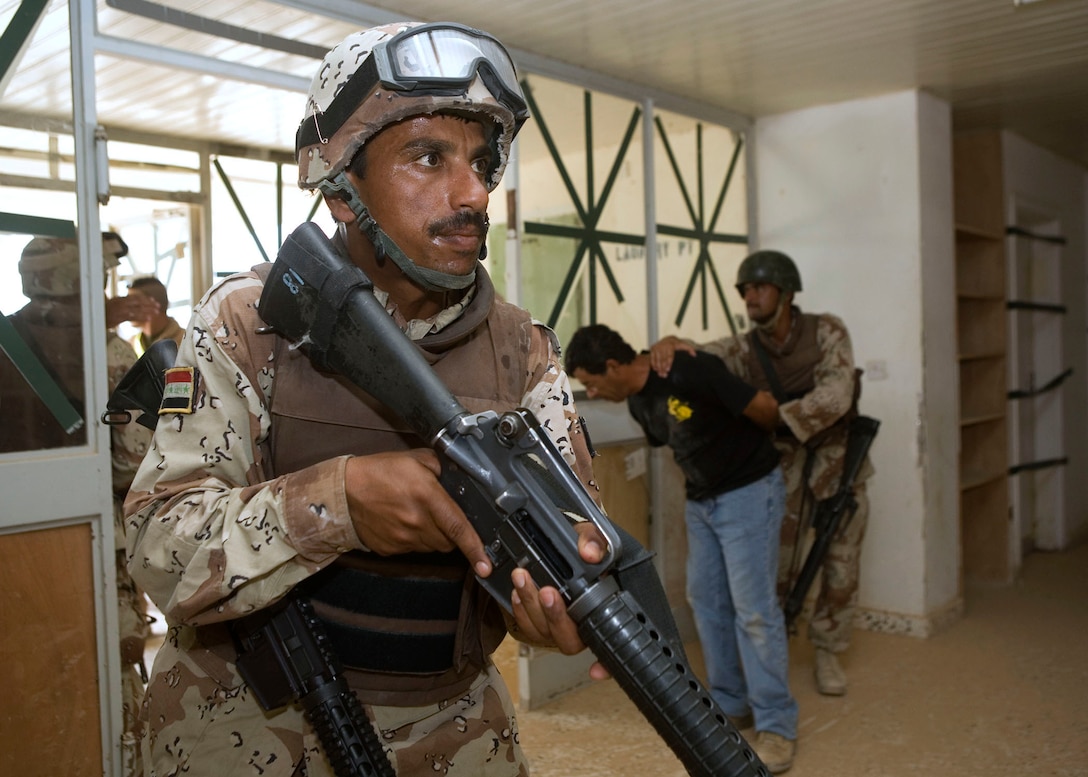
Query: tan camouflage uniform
[832, 618]
[128, 446]
[213, 536]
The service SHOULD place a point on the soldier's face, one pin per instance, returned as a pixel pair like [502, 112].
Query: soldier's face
[424, 185]
[761, 300]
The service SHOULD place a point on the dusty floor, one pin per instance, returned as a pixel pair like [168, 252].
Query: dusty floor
[1002, 692]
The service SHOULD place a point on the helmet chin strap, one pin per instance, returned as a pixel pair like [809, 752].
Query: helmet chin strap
[769, 325]
[432, 280]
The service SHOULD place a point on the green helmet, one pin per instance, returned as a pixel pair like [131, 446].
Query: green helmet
[772, 267]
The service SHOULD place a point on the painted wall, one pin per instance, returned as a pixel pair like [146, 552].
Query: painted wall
[860, 195]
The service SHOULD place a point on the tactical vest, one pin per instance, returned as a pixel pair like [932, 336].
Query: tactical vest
[795, 364]
[418, 628]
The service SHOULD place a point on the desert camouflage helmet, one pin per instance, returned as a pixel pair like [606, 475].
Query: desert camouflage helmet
[772, 267]
[383, 75]
[49, 266]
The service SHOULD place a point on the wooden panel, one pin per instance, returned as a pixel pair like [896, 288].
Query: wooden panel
[621, 472]
[982, 390]
[981, 324]
[984, 452]
[980, 267]
[977, 182]
[48, 654]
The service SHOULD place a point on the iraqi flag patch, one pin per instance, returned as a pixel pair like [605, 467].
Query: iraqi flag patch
[179, 391]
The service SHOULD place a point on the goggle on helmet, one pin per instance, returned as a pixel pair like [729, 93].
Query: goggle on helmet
[386, 74]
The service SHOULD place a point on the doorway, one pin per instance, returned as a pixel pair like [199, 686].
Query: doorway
[1037, 372]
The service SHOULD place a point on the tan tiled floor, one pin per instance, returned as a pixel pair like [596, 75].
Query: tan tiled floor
[1002, 692]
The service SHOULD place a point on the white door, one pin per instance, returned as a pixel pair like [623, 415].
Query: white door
[58, 613]
[1037, 374]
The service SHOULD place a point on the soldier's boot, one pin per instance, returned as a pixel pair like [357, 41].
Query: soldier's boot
[775, 751]
[830, 679]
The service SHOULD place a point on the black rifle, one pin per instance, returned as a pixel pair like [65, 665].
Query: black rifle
[514, 486]
[142, 387]
[284, 656]
[834, 514]
[283, 651]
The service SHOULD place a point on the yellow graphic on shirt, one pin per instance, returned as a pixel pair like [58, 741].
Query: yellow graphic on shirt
[679, 409]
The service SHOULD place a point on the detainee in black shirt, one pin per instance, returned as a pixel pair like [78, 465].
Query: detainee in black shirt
[698, 411]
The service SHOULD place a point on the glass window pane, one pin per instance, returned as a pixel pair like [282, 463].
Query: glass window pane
[251, 183]
[702, 224]
[140, 166]
[159, 237]
[42, 385]
[581, 191]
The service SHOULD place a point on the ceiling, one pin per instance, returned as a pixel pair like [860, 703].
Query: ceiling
[1021, 67]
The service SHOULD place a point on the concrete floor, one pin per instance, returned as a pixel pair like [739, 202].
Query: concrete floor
[1002, 692]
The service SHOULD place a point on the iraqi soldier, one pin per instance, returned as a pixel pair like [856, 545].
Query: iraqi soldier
[269, 478]
[807, 361]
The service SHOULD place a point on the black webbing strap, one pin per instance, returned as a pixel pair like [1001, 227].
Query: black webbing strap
[374, 650]
[768, 368]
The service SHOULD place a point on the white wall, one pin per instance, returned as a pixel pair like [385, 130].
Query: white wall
[860, 195]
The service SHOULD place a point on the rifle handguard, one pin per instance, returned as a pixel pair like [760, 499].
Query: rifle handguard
[285, 657]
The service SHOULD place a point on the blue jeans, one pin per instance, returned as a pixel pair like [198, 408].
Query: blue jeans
[731, 570]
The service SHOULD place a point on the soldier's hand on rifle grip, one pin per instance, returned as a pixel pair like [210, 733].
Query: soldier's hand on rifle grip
[398, 506]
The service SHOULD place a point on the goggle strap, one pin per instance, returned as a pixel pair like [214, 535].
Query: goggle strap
[503, 93]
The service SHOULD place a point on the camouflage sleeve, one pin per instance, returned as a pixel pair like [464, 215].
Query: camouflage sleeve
[550, 397]
[128, 442]
[731, 351]
[210, 535]
[834, 377]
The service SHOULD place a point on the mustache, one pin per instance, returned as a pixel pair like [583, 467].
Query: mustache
[458, 222]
